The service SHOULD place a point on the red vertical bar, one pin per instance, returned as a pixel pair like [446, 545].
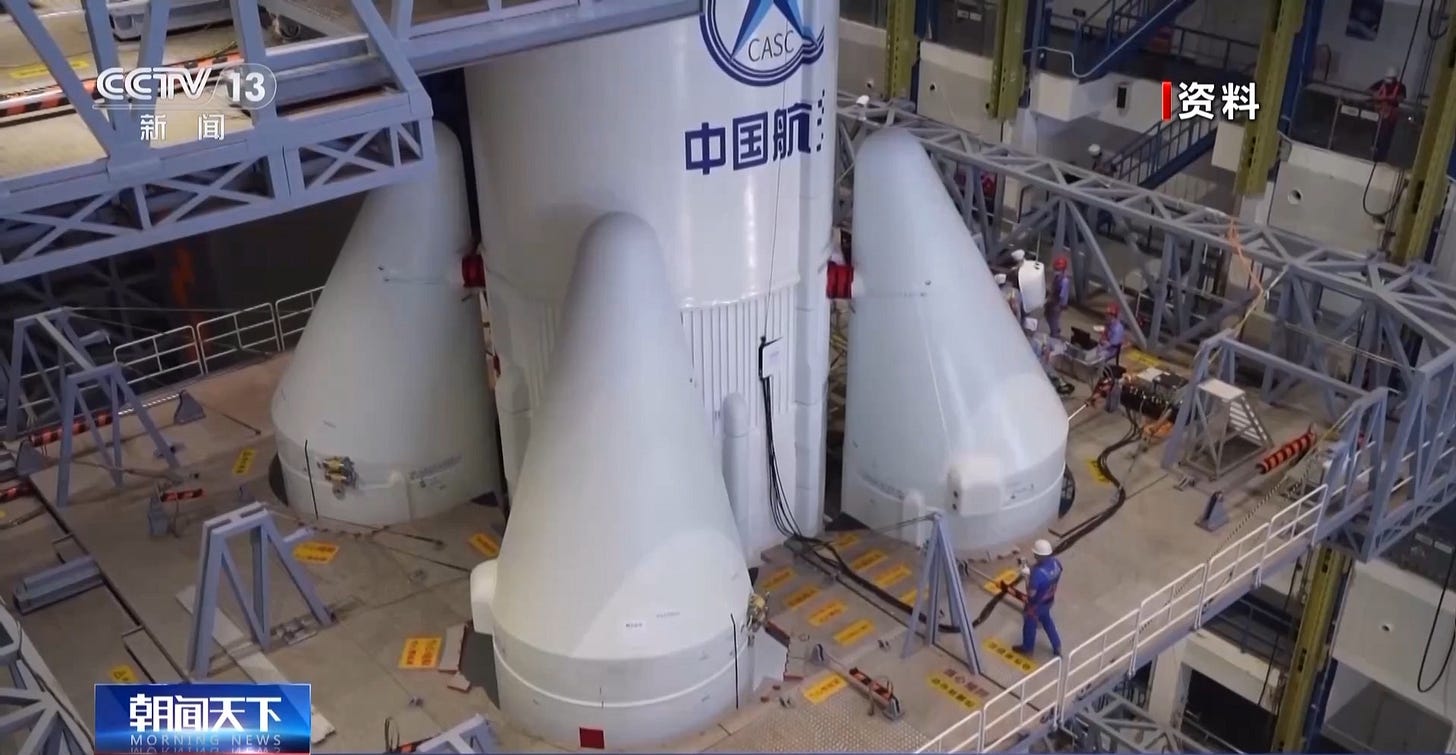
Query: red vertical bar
[1167, 100]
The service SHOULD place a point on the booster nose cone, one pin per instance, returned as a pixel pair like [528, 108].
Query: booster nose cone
[945, 394]
[390, 373]
[622, 586]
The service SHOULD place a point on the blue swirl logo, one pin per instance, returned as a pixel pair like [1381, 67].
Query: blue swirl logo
[771, 39]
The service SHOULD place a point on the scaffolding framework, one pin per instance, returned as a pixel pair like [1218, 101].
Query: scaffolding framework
[1116, 724]
[30, 710]
[1357, 336]
[309, 145]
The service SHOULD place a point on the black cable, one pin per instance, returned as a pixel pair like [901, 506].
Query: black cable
[1405, 64]
[1273, 654]
[1431, 635]
[1436, 12]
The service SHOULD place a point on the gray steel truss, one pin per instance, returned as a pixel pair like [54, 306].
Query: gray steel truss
[1366, 342]
[309, 145]
[33, 710]
[1115, 724]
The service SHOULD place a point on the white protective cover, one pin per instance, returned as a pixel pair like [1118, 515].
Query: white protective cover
[948, 407]
[620, 594]
[391, 370]
[643, 121]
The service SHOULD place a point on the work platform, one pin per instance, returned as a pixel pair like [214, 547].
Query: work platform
[1132, 586]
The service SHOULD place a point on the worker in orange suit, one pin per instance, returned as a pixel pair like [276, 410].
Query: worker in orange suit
[1388, 94]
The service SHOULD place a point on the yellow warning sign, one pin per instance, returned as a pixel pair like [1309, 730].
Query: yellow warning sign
[38, 70]
[953, 691]
[777, 579]
[892, 576]
[868, 560]
[854, 632]
[244, 464]
[820, 691]
[487, 545]
[1010, 656]
[122, 674]
[315, 552]
[801, 597]
[910, 595]
[845, 539]
[420, 652]
[1006, 577]
[1096, 471]
[827, 613]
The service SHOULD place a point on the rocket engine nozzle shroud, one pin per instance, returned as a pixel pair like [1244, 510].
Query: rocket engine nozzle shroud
[620, 598]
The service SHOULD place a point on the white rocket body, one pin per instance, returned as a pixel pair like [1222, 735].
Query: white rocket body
[729, 157]
[391, 372]
[947, 406]
[619, 599]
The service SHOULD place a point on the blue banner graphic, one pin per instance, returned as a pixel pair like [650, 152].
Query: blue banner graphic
[198, 718]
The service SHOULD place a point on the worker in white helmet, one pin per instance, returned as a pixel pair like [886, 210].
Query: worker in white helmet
[1094, 155]
[1041, 591]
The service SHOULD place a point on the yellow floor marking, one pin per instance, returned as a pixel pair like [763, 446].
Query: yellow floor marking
[845, 539]
[909, 597]
[892, 576]
[38, 70]
[854, 632]
[487, 545]
[122, 674]
[1096, 471]
[314, 552]
[827, 613]
[801, 597]
[420, 652]
[777, 578]
[820, 691]
[1005, 577]
[1010, 656]
[244, 464]
[1144, 358]
[868, 560]
[953, 691]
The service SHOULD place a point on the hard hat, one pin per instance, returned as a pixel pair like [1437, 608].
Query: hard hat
[1112, 308]
[1018, 254]
[1059, 263]
[1000, 279]
[1390, 73]
[1041, 548]
[1094, 150]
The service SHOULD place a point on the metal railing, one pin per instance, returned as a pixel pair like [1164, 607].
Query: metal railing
[1052, 692]
[191, 352]
[1095, 38]
[1158, 147]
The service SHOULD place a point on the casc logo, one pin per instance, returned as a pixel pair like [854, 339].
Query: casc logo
[767, 41]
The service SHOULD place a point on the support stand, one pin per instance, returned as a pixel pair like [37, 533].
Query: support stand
[216, 562]
[118, 396]
[473, 735]
[1215, 514]
[938, 573]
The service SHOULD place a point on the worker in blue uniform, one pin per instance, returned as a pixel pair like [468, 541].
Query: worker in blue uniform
[1060, 296]
[1113, 334]
[1041, 591]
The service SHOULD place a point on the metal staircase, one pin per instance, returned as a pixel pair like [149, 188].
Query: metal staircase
[1118, 29]
[1229, 429]
[1163, 151]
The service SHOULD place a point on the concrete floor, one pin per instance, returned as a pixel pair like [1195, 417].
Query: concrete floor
[386, 587]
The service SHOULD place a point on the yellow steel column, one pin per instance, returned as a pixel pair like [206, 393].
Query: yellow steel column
[1311, 647]
[1426, 192]
[1261, 135]
[902, 49]
[1008, 67]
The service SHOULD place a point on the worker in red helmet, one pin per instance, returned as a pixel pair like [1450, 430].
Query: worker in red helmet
[1113, 334]
[1388, 93]
[1059, 297]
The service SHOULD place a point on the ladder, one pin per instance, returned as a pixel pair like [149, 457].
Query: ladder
[1226, 428]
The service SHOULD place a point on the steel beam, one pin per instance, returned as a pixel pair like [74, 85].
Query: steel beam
[1008, 64]
[1116, 724]
[902, 49]
[1324, 583]
[1261, 135]
[38, 717]
[1425, 195]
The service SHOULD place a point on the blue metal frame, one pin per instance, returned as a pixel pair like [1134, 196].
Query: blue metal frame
[216, 561]
[139, 195]
[1115, 30]
[1306, 42]
[1163, 151]
[938, 574]
[42, 721]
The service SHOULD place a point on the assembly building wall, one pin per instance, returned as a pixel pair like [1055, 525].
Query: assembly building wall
[1358, 63]
[1383, 626]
